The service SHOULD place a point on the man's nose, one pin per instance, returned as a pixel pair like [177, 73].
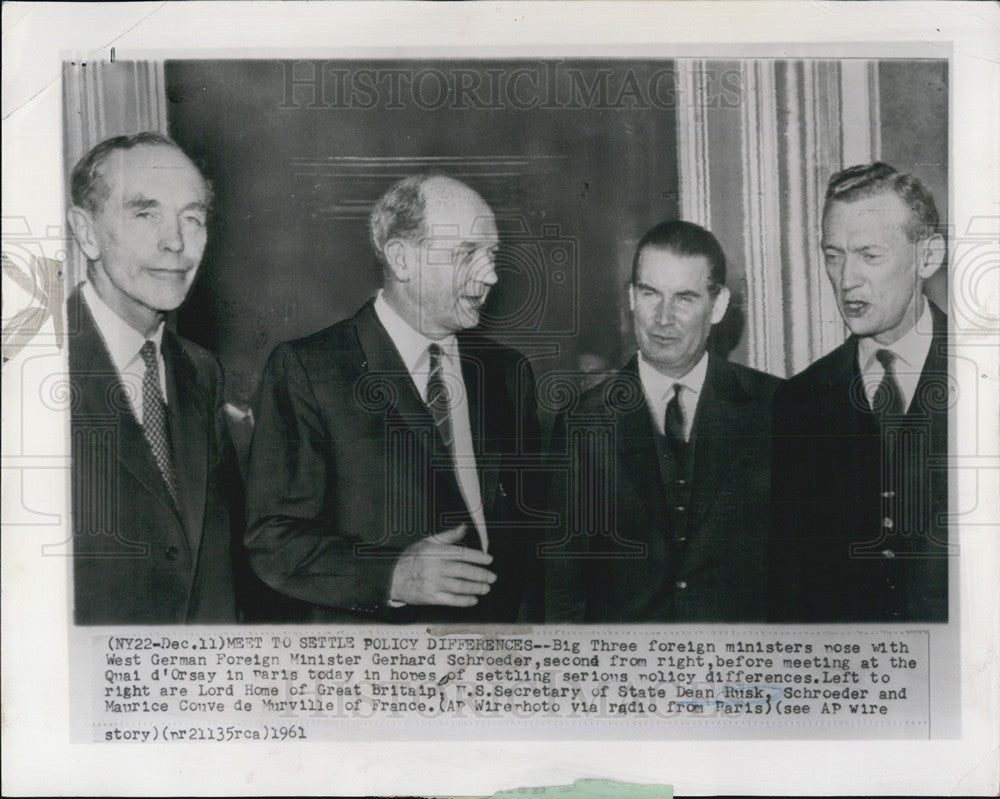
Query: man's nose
[665, 313]
[850, 273]
[171, 236]
[486, 271]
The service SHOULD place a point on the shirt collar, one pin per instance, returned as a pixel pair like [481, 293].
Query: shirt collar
[911, 349]
[411, 343]
[659, 385]
[122, 341]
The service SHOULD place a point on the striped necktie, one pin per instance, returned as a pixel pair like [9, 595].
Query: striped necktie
[154, 417]
[438, 399]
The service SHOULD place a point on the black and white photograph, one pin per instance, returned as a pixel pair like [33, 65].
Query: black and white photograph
[593, 396]
[409, 224]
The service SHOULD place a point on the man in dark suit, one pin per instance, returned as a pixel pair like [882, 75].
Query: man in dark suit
[860, 485]
[153, 477]
[384, 476]
[663, 492]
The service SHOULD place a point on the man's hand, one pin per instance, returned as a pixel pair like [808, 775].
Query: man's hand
[437, 571]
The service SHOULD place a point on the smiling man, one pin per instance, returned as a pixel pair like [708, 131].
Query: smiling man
[663, 506]
[860, 527]
[383, 471]
[155, 486]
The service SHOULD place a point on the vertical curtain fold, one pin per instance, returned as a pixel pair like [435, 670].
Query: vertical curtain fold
[100, 100]
[692, 143]
[798, 122]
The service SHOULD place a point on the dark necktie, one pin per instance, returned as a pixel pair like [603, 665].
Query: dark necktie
[154, 417]
[673, 420]
[888, 398]
[437, 398]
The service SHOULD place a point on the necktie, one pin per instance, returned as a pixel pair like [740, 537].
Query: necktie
[154, 417]
[673, 420]
[439, 404]
[438, 401]
[888, 398]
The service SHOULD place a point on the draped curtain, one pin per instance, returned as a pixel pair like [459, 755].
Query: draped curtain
[757, 141]
[101, 100]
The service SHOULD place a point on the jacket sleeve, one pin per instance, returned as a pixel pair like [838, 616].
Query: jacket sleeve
[293, 539]
[565, 595]
[790, 485]
[522, 378]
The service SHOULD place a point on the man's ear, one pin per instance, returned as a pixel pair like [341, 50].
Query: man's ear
[931, 255]
[721, 305]
[399, 259]
[631, 296]
[81, 222]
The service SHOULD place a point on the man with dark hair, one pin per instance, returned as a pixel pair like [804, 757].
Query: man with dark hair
[662, 494]
[859, 506]
[155, 486]
[384, 475]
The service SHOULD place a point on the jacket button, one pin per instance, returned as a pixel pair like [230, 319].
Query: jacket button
[681, 584]
[888, 553]
[887, 523]
[171, 553]
[680, 509]
[888, 494]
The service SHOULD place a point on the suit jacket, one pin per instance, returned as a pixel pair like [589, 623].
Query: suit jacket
[859, 531]
[347, 469]
[138, 557]
[613, 557]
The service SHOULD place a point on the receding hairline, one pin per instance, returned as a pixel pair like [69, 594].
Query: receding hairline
[150, 146]
[905, 214]
[102, 170]
[452, 194]
[448, 189]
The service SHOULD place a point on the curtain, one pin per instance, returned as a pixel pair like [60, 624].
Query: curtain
[101, 100]
[757, 141]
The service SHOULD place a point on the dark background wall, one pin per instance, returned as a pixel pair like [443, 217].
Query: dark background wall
[576, 158]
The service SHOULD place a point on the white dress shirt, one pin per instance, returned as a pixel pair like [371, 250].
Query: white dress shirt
[659, 389]
[412, 346]
[911, 353]
[123, 343]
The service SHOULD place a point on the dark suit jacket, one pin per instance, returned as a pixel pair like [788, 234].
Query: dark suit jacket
[347, 470]
[612, 558]
[859, 527]
[138, 558]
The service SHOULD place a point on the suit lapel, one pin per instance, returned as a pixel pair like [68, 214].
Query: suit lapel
[103, 396]
[852, 427]
[718, 436]
[384, 362]
[934, 375]
[484, 434]
[635, 439]
[186, 407]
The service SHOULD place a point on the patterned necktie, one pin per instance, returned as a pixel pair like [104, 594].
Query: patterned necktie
[888, 398]
[154, 417]
[438, 401]
[673, 420]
